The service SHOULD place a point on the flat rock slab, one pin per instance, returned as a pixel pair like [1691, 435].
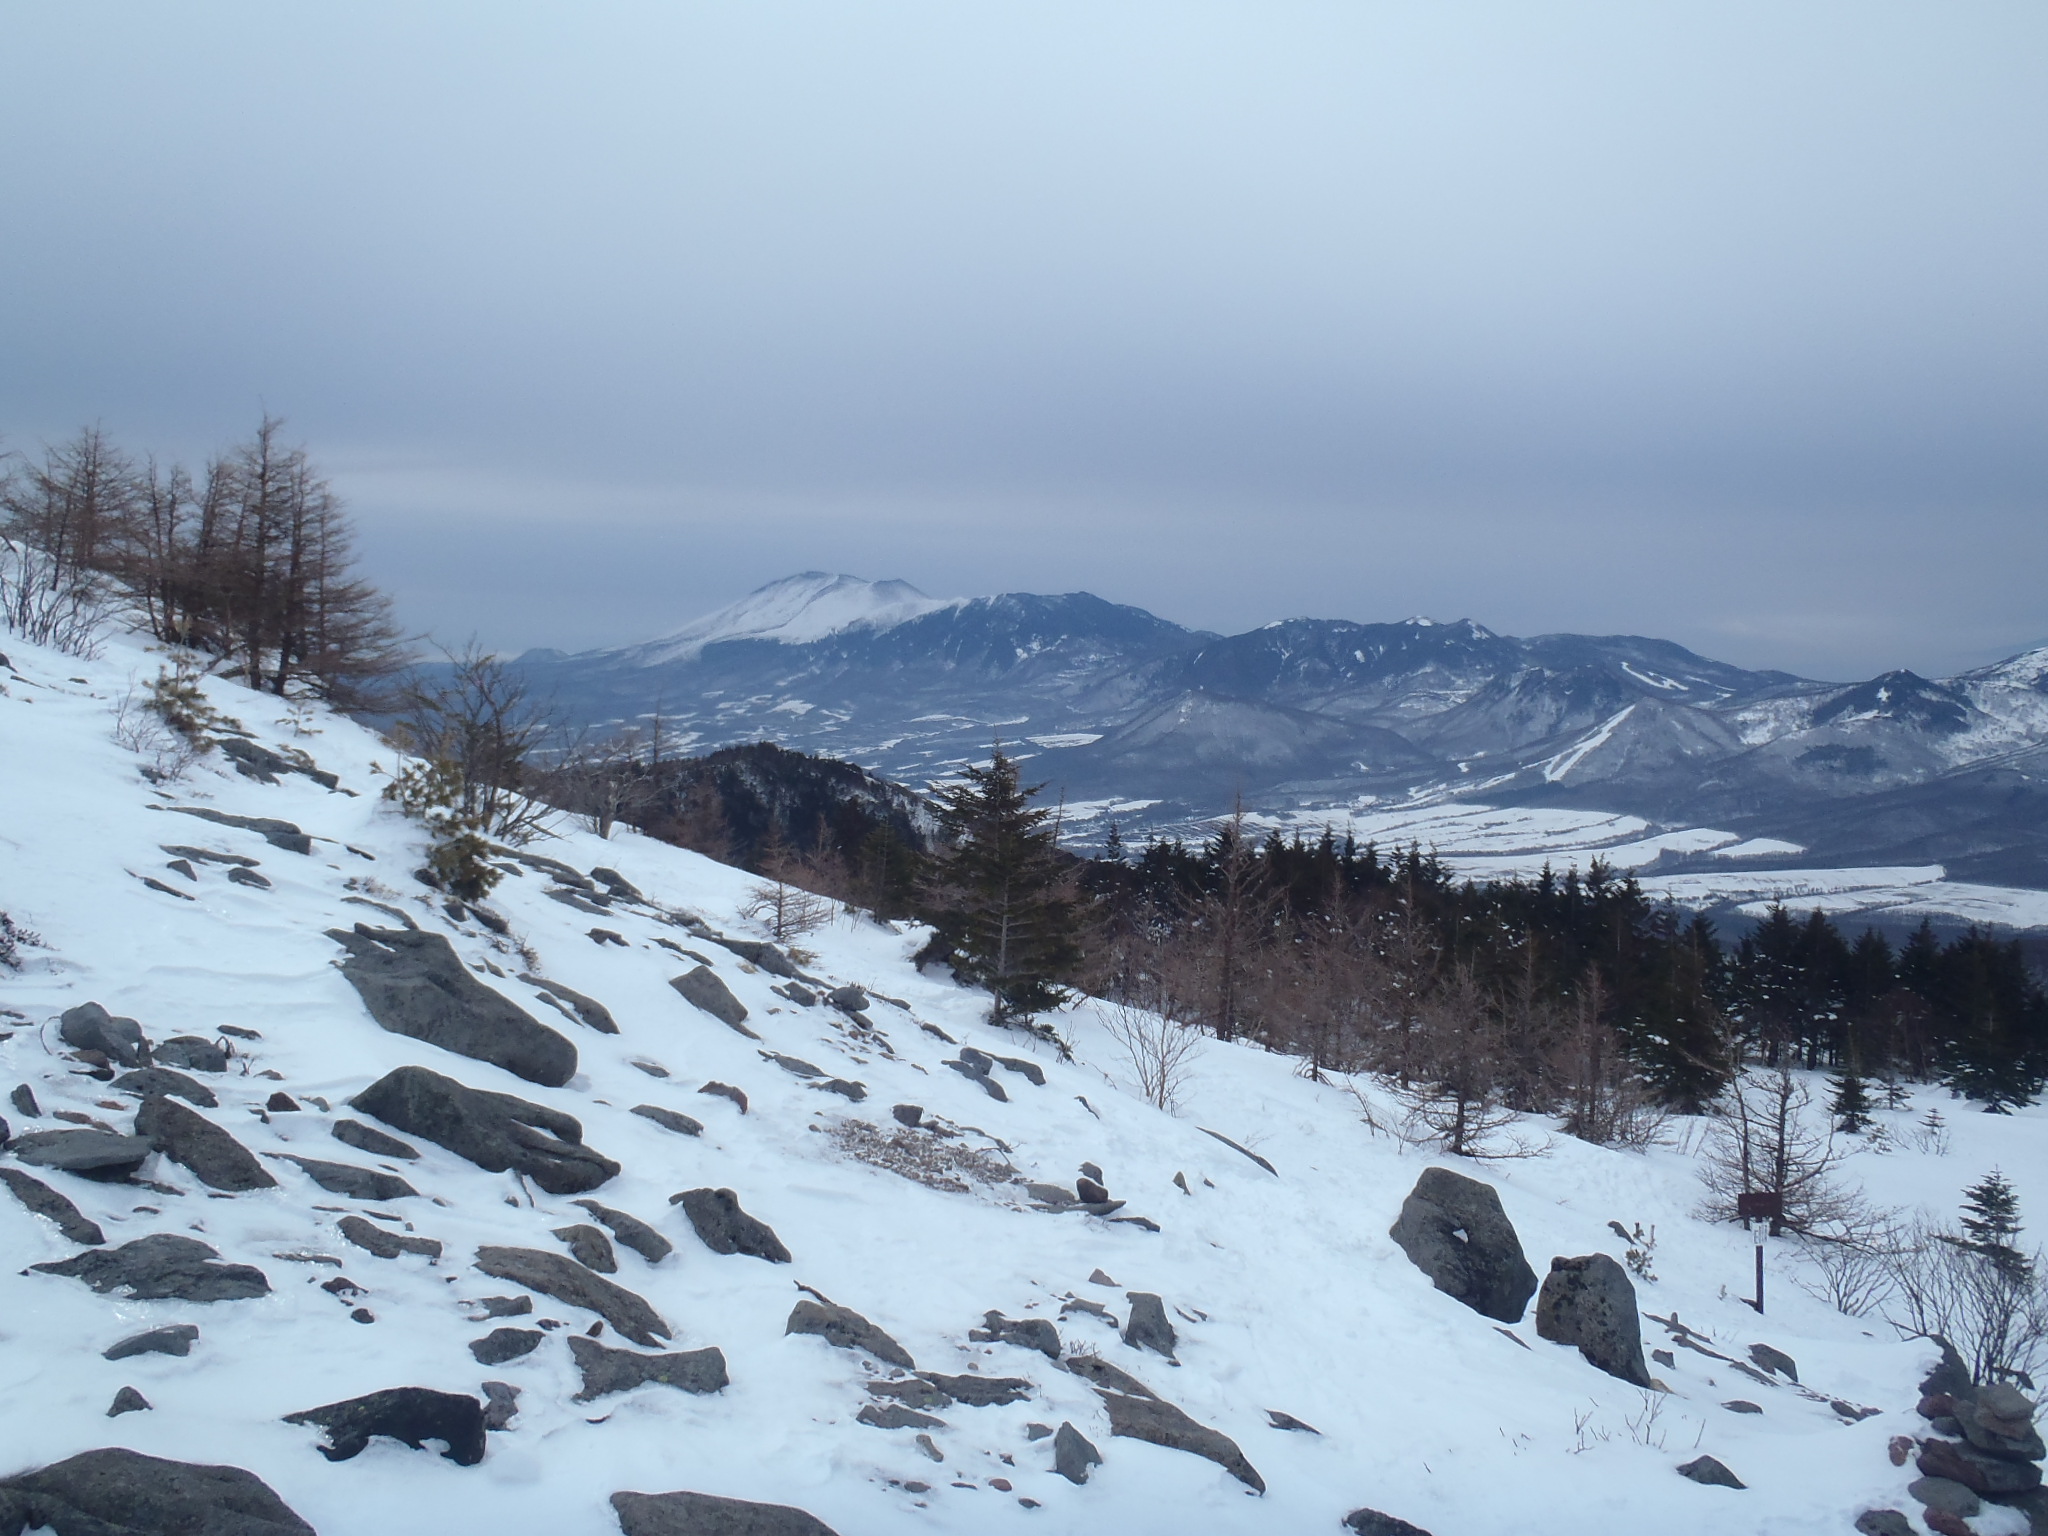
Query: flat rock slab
[703, 989]
[367, 1138]
[631, 1231]
[1160, 1423]
[702, 1514]
[1098, 1371]
[559, 1276]
[896, 1416]
[606, 1371]
[669, 1120]
[847, 1329]
[493, 1130]
[414, 984]
[47, 1202]
[1453, 1229]
[187, 1137]
[357, 1183]
[174, 1339]
[104, 1156]
[587, 1010]
[410, 1415]
[279, 834]
[118, 1492]
[371, 1238]
[162, 1267]
[1591, 1302]
[152, 1082]
[980, 1391]
[725, 1228]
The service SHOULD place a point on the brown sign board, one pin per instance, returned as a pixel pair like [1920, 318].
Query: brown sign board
[1761, 1205]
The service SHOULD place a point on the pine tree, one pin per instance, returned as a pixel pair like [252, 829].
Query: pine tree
[1991, 1218]
[1850, 1104]
[998, 904]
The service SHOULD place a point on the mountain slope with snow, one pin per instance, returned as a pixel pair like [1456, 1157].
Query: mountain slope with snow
[795, 610]
[1283, 1287]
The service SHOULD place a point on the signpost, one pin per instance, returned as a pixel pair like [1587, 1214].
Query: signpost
[1763, 1209]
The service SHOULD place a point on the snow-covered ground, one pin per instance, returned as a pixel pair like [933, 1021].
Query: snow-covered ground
[1285, 1288]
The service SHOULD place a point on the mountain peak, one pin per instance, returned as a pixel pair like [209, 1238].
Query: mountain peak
[796, 610]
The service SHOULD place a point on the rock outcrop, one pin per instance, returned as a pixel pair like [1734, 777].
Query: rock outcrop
[493, 1130]
[620, 1370]
[1453, 1229]
[117, 1492]
[703, 1514]
[559, 1276]
[409, 1415]
[187, 1137]
[162, 1267]
[725, 1228]
[847, 1329]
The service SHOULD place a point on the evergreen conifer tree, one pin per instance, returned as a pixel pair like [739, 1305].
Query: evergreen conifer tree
[1850, 1104]
[998, 904]
[1991, 1218]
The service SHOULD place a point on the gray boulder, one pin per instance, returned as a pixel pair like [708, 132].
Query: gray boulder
[1705, 1469]
[559, 1276]
[103, 1156]
[356, 1183]
[215, 1158]
[979, 1075]
[703, 1514]
[1453, 1229]
[1160, 1423]
[493, 1130]
[760, 955]
[1949, 1497]
[846, 1329]
[1148, 1327]
[1370, 1522]
[116, 1492]
[630, 1230]
[1776, 1361]
[1883, 1522]
[606, 1371]
[848, 999]
[127, 1400]
[1979, 1471]
[191, 1052]
[2001, 1423]
[589, 1247]
[23, 1098]
[410, 1415]
[911, 1391]
[980, 1391]
[367, 1138]
[162, 1267]
[725, 1228]
[45, 1201]
[502, 1344]
[501, 1404]
[1590, 1302]
[373, 1239]
[150, 1082]
[726, 1091]
[896, 1416]
[89, 1027]
[703, 989]
[173, 1339]
[1099, 1372]
[414, 984]
[1026, 1333]
[1073, 1453]
[587, 1010]
[669, 1120]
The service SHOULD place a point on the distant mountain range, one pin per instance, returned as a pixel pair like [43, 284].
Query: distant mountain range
[1132, 716]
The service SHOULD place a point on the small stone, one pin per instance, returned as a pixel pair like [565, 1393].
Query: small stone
[1037, 1431]
[911, 1115]
[1370, 1522]
[896, 1416]
[725, 1228]
[1705, 1469]
[1148, 1326]
[371, 1238]
[726, 1091]
[1945, 1494]
[362, 1315]
[1000, 1484]
[1741, 1405]
[1091, 1192]
[502, 1344]
[924, 1443]
[1073, 1454]
[174, 1339]
[1665, 1358]
[127, 1400]
[281, 1103]
[1776, 1361]
[367, 1138]
[1097, 1277]
[1883, 1522]
[1281, 1420]
[501, 1403]
[589, 1247]
[669, 1120]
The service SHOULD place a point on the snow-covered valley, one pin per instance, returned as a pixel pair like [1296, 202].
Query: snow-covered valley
[1286, 1298]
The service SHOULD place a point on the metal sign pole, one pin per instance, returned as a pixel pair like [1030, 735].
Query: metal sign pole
[1758, 1230]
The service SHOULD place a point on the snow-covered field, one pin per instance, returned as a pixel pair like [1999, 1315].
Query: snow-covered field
[1284, 1287]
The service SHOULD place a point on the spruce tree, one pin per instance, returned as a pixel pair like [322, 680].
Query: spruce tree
[998, 904]
[1991, 1218]
[1850, 1104]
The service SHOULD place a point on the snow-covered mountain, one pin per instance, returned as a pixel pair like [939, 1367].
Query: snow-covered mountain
[1164, 727]
[318, 1209]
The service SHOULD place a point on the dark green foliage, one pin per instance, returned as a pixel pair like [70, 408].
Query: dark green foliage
[1848, 1101]
[1991, 1223]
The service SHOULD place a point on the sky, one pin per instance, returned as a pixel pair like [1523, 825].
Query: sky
[1726, 324]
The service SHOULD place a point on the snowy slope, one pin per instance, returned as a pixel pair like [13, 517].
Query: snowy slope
[795, 610]
[1284, 1287]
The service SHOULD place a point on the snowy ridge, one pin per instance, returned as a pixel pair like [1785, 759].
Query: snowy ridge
[795, 610]
[1284, 1289]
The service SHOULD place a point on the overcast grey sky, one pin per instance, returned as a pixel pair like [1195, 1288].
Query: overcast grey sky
[1724, 322]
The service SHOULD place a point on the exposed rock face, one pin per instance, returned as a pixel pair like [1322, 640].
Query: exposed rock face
[174, 1339]
[703, 988]
[1160, 1423]
[632, 1231]
[493, 1130]
[150, 1082]
[215, 1158]
[589, 1247]
[371, 1238]
[1591, 1302]
[587, 1010]
[1453, 1229]
[367, 1138]
[414, 984]
[846, 1328]
[162, 1267]
[502, 1344]
[701, 1514]
[410, 1415]
[1148, 1327]
[725, 1228]
[117, 1492]
[45, 1201]
[620, 1370]
[1073, 1453]
[100, 1155]
[559, 1276]
[89, 1027]
[356, 1183]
